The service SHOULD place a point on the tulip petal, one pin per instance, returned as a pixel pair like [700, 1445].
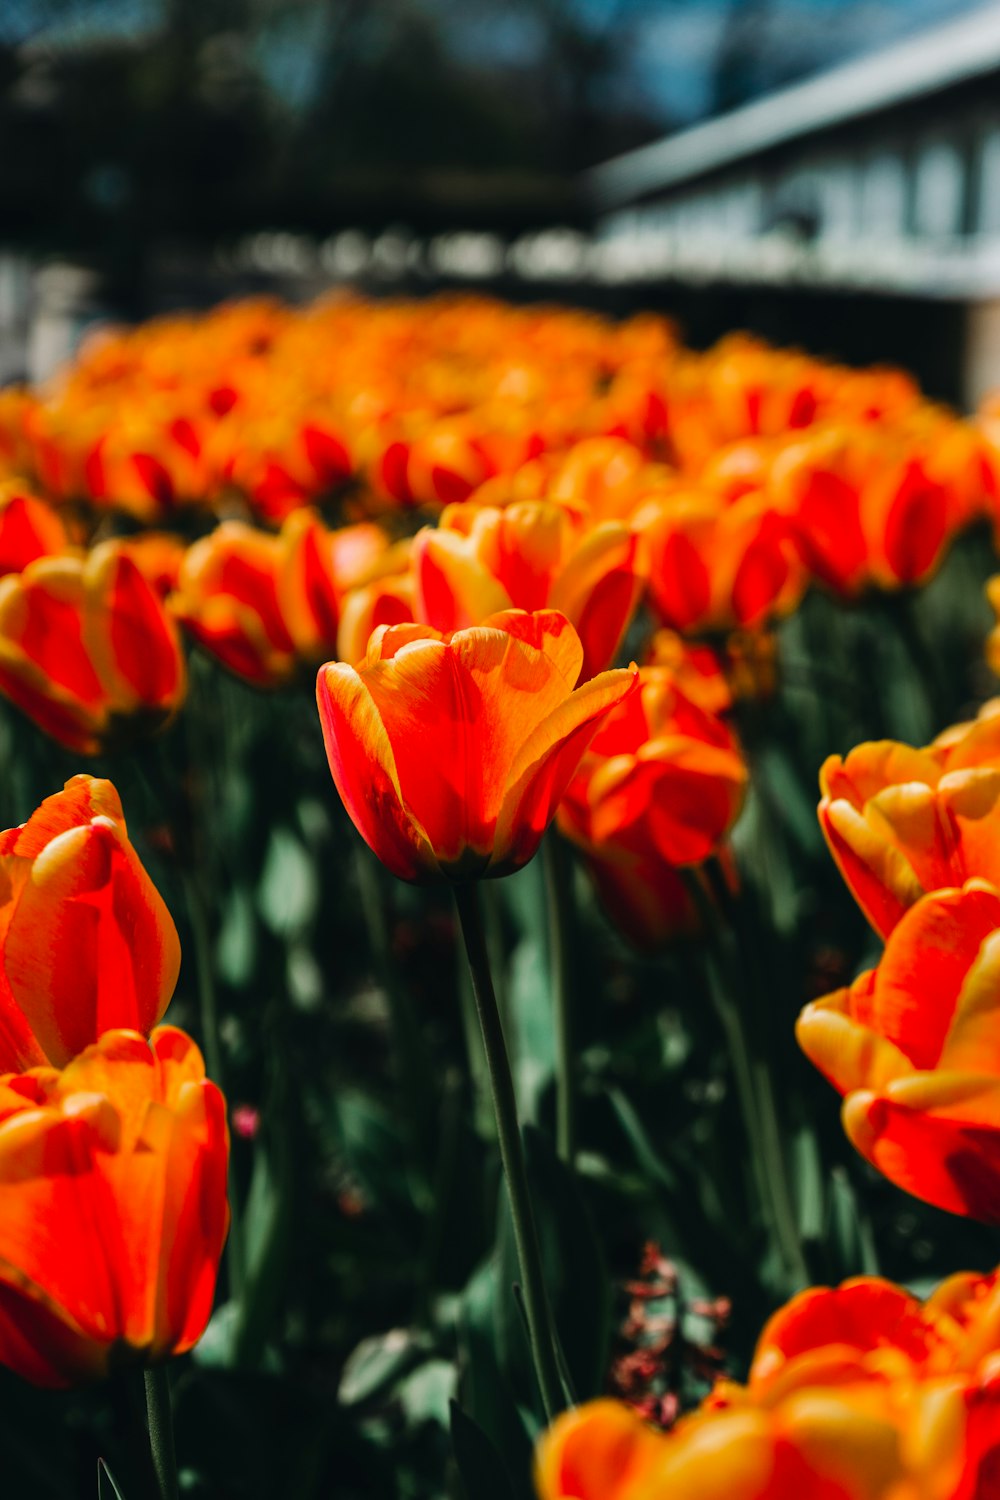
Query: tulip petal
[547, 760]
[364, 770]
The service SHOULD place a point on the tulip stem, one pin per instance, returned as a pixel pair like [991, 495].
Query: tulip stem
[541, 1328]
[558, 881]
[160, 1421]
[751, 1075]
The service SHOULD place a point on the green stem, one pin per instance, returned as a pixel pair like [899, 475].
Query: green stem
[558, 882]
[208, 1014]
[161, 1431]
[752, 1076]
[541, 1328]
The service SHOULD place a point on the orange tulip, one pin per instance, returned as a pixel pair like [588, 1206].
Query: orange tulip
[713, 566]
[901, 821]
[993, 639]
[86, 943]
[531, 555]
[87, 650]
[317, 568]
[385, 600]
[451, 752]
[28, 529]
[697, 670]
[913, 1047]
[659, 788]
[227, 598]
[113, 1207]
[859, 1392]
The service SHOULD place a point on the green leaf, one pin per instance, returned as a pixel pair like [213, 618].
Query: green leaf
[481, 1469]
[533, 1040]
[107, 1488]
[236, 944]
[808, 1170]
[850, 1229]
[370, 1140]
[487, 1394]
[288, 892]
[426, 1393]
[575, 1273]
[379, 1362]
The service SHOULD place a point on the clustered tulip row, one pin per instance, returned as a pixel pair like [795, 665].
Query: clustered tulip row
[179, 480]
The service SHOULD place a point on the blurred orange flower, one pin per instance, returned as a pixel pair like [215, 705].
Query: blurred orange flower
[86, 942]
[227, 598]
[317, 568]
[451, 751]
[901, 821]
[531, 555]
[659, 788]
[88, 651]
[914, 1047]
[859, 1392]
[113, 1207]
[28, 528]
[713, 566]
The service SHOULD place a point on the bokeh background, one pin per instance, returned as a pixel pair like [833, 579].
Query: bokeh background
[157, 155]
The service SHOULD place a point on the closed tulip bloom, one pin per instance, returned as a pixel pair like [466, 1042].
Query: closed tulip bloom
[697, 670]
[28, 529]
[113, 1208]
[451, 752]
[227, 599]
[901, 821]
[859, 1392]
[530, 555]
[317, 569]
[386, 599]
[88, 651]
[713, 566]
[914, 1047]
[659, 788]
[86, 942]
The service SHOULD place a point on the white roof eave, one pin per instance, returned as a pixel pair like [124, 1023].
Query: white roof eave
[964, 49]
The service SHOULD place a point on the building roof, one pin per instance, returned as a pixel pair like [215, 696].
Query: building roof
[960, 51]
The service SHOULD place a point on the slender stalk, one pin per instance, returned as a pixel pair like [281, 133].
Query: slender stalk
[752, 1076]
[558, 883]
[159, 1418]
[208, 1015]
[541, 1328]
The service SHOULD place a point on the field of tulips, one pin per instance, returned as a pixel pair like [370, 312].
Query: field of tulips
[445, 1053]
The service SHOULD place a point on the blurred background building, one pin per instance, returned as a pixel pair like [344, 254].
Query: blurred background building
[824, 171]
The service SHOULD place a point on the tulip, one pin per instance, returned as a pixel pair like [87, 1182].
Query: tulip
[227, 598]
[87, 650]
[146, 460]
[386, 599]
[451, 752]
[28, 529]
[901, 821]
[697, 670]
[659, 788]
[531, 555]
[859, 1392]
[713, 566]
[913, 1047]
[318, 568]
[86, 942]
[113, 1207]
